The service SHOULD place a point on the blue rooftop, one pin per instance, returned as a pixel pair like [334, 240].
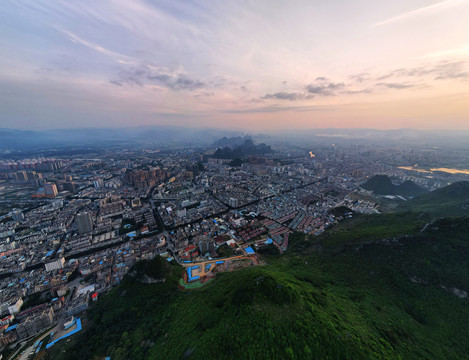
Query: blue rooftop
[11, 328]
[249, 250]
[189, 274]
[77, 329]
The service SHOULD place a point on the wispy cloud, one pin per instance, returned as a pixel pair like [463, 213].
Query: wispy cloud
[361, 77]
[273, 109]
[162, 57]
[284, 96]
[93, 46]
[165, 77]
[453, 75]
[324, 89]
[439, 70]
[321, 87]
[442, 5]
[396, 85]
[355, 92]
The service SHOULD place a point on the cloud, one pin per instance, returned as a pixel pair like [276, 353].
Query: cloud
[360, 77]
[396, 85]
[93, 46]
[148, 74]
[440, 70]
[451, 70]
[115, 82]
[284, 96]
[422, 11]
[459, 75]
[273, 109]
[182, 82]
[205, 94]
[355, 92]
[322, 89]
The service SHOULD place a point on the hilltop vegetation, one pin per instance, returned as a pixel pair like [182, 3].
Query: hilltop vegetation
[452, 200]
[382, 185]
[386, 286]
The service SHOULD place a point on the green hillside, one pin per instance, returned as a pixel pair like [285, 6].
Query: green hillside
[382, 185]
[452, 200]
[384, 286]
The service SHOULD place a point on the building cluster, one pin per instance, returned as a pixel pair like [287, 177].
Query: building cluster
[71, 228]
[145, 178]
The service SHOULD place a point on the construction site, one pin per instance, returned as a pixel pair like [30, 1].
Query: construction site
[196, 274]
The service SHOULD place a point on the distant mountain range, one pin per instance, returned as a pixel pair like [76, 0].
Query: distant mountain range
[14, 139]
[453, 138]
[382, 185]
[161, 135]
[231, 142]
[238, 151]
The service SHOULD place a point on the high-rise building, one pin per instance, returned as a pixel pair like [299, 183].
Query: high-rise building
[84, 222]
[111, 205]
[50, 189]
[70, 186]
[233, 202]
[22, 176]
[194, 169]
[99, 183]
[145, 178]
[15, 306]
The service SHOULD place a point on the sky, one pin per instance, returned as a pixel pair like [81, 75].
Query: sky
[252, 65]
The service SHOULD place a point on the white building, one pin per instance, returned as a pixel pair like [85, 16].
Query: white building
[55, 265]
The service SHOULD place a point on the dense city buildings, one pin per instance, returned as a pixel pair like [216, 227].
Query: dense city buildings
[72, 232]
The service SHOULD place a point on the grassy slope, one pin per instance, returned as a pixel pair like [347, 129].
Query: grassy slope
[452, 200]
[352, 305]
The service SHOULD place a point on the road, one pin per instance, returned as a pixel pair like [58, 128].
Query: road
[25, 355]
[58, 328]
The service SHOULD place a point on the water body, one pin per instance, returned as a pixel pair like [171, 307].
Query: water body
[452, 171]
[413, 169]
[446, 170]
